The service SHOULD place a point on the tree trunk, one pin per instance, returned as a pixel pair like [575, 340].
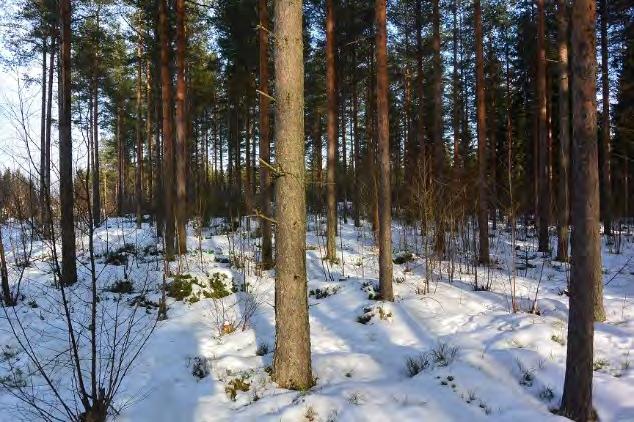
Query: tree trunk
[49, 126]
[96, 193]
[291, 362]
[67, 223]
[181, 131]
[331, 91]
[120, 164]
[42, 193]
[385, 197]
[149, 124]
[139, 137]
[542, 143]
[483, 205]
[564, 131]
[585, 271]
[606, 177]
[355, 133]
[422, 172]
[168, 136]
[265, 142]
[455, 92]
[7, 298]
[439, 148]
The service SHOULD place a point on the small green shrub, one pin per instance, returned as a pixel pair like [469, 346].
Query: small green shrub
[218, 286]
[323, 293]
[180, 288]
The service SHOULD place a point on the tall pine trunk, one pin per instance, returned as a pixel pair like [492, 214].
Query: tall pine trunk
[483, 221]
[585, 271]
[138, 179]
[291, 362]
[437, 129]
[69, 265]
[385, 196]
[331, 92]
[542, 134]
[168, 135]
[265, 143]
[49, 127]
[181, 131]
[355, 134]
[605, 173]
[564, 132]
[43, 192]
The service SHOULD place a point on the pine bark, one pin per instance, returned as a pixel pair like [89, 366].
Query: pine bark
[120, 164]
[455, 92]
[606, 177]
[96, 192]
[563, 230]
[542, 143]
[357, 144]
[385, 196]
[585, 271]
[483, 205]
[168, 136]
[67, 223]
[139, 138]
[181, 131]
[437, 129]
[291, 362]
[7, 298]
[49, 127]
[42, 170]
[331, 92]
[265, 142]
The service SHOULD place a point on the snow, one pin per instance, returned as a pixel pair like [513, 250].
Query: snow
[481, 361]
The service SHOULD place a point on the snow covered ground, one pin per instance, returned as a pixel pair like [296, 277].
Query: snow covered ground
[475, 360]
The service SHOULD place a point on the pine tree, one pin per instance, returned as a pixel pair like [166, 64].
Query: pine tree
[69, 265]
[585, 270]
[385, 196]
[291, 363]
[483, 212]
[331, 178]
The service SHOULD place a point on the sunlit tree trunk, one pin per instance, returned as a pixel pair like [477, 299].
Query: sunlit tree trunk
[483, 222]
[139, 136]
[331, 92]
[291, 362]
[385, 197]
[181, 131]
[355, 133]
[605, 173]
[585, 270]
[265, 156]
[564, 131]
[542, 135]
[69, 265]
[49, 127]
[42, 170]
[168, 136]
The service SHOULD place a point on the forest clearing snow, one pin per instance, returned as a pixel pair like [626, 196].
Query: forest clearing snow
[475, 360]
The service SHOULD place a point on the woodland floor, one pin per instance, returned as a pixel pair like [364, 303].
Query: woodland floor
[480, 361]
